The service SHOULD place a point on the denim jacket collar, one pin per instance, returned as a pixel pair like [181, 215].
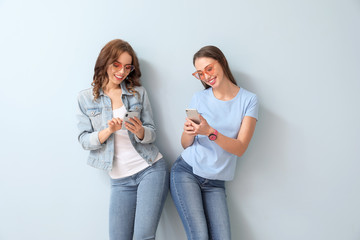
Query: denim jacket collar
[124, 88]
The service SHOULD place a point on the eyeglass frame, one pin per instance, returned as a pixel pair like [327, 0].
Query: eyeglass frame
[204, 71]
[121, 66]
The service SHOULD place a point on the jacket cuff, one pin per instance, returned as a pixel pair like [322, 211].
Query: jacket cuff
[94, 139]
[147, 136]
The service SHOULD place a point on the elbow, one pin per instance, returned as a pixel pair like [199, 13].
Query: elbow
[241, 151]
[186, 144]
[87, 145]
[83, 143]
[239, 154]
[90, 147]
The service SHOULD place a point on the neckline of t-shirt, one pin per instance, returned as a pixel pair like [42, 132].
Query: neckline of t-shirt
[118, 109]
[233, 99]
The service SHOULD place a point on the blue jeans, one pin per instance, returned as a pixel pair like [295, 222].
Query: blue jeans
[201, 203]
[136, 203]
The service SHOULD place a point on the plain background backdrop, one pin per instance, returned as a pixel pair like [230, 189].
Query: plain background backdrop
[299, 178]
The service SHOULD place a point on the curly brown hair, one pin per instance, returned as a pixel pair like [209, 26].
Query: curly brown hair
[216, 54]
[108, 55]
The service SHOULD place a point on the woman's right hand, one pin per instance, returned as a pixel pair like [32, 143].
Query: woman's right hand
[188, 135]
[189, 127]
[114, 124]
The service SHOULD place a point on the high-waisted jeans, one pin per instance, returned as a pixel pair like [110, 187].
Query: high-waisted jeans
[201, 203]
[136, 203]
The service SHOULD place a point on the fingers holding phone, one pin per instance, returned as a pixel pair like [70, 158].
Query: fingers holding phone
[134, 125]
[195, 123]
[203, 128]
[192, 122]
[128, 116]
[189, 128]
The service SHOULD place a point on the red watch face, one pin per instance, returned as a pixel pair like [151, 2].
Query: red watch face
[212, 137]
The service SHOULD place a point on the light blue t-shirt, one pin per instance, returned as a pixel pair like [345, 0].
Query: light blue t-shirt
[207, 158]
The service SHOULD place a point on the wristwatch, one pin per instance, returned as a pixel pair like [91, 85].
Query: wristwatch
[213, 136]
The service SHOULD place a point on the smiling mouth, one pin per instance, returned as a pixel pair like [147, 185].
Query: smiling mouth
[119, 77]
[212, 81]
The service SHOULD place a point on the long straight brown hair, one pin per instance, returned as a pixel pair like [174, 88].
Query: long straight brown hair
[107, 56]
[216, 54]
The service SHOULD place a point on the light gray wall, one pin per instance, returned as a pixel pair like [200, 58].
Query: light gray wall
[299, 178]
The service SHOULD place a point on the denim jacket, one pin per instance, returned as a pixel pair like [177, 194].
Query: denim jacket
[93, 117]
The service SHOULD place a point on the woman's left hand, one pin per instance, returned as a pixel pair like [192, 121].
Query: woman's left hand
[135, 127]
[203, 128]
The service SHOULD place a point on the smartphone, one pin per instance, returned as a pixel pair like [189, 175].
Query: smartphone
[127, 117]
[193, 115]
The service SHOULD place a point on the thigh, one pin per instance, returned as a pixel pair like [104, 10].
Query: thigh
[122, 208]
[216, 210]
[186, 194]
[151, 195]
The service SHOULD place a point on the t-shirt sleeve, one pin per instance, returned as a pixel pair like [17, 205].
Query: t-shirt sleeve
[252, 109]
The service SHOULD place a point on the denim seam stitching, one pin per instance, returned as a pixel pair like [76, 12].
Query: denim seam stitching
[181, 205]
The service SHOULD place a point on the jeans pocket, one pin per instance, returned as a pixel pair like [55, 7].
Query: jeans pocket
[121, 181]
[181, 166]
[177, 163]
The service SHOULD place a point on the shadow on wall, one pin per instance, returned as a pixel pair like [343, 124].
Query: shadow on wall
[265, 165]
[165, 115]
[244, 192]
[265, 148]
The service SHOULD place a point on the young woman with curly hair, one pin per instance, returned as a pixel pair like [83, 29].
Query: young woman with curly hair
[138, 173]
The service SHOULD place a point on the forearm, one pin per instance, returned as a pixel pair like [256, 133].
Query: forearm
[239, 145]
[187, 140]
[231, 145]
[104, 135]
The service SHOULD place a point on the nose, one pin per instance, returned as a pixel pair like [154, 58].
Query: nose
[122, 70]
[207, 76]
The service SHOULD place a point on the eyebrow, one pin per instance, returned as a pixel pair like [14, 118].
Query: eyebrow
[204, 67]
[116, 61]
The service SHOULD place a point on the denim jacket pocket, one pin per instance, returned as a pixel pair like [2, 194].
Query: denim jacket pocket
[95, 117]
[136, 107]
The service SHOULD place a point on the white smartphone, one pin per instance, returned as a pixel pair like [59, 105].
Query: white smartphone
[193, 115]
[127, 117]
